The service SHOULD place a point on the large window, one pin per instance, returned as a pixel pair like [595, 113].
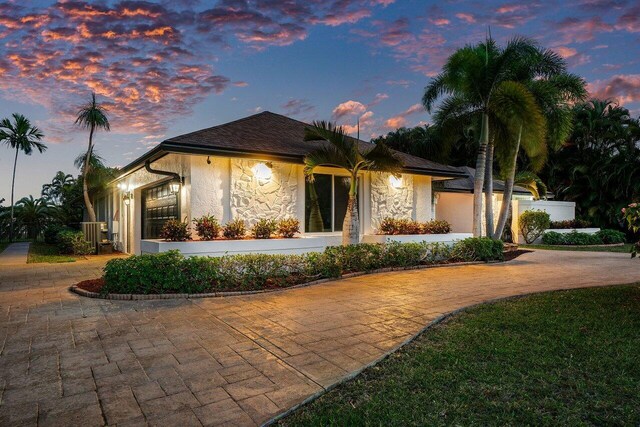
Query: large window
[159, 205]
[326, 203]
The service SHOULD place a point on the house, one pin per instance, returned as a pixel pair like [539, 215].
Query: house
[252, 168]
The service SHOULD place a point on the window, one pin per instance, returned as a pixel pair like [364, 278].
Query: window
[159, 206]
[326, 202]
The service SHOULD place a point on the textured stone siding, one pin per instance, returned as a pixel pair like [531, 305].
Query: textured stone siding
[252, 200]
[387, 201]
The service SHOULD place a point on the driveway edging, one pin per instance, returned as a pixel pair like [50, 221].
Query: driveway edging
[143, 297]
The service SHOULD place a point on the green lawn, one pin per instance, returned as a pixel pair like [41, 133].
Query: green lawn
[626, 248]
[43, 252]
[560, 358]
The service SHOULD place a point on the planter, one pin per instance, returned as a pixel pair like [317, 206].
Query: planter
[216, 248]
[448, 238]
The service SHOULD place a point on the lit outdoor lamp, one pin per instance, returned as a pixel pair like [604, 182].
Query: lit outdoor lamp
[262, 171]
[395, 181]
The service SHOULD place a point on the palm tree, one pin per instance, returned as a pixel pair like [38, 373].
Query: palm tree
[54, 191]
[34, 214]
[341, 151]
[20, 136]
[479, 81]
[553, 93]
[91, 116]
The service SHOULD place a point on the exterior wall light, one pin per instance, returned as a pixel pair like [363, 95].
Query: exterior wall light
[262, 172]
[395, 181]
[126, 197]
[174, 187]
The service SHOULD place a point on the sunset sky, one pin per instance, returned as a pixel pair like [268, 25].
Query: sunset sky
[169, 67]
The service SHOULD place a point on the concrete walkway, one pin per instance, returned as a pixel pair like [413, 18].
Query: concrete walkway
[15, 254]
[68, 360]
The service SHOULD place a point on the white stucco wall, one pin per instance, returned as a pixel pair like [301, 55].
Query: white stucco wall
[457, 209]
[210, 187]
[557, 210]
[388, 201]
[252, 199]
[422, 199]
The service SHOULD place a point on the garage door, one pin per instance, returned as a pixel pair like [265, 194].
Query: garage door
[158, 206]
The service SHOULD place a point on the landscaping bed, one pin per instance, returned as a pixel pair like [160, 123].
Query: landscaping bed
[557, 358]
[172, 273]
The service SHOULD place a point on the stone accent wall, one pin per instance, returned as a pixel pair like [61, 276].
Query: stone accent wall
[252, 200]
[389, 201]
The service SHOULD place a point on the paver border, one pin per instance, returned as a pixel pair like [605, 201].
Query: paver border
[435, 322]
[143, 297]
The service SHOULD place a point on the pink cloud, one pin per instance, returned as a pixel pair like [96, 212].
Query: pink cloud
[466, 17]
[400, 120]
[348, 108]
[576, 30]
[624, 88]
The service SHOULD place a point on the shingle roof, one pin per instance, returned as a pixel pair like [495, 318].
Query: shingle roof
[465, 185]
[279, 136]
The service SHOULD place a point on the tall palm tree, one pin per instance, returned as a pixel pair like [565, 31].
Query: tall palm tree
[91, 116]
[54, 191]
[20, 136]
[341, 151]
[554, 93]
[479, 81]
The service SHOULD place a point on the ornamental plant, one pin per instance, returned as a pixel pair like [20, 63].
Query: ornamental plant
[175, 231]
[631, 216]
[235, 229]
[263, 229]
[532, 224]
[392, 226]
[288, 227]
[207, 227]
[436, 226]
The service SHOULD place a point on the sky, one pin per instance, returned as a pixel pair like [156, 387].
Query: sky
[170, 67]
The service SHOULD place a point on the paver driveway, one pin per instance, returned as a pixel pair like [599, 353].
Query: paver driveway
[69, 360]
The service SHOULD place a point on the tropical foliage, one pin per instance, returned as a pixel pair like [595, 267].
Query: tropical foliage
[339, 150]
[20, 136]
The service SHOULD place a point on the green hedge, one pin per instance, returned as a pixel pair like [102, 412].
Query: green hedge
[171, 272]
[583, 239]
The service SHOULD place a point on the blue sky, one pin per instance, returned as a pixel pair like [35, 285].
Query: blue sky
[169, 67]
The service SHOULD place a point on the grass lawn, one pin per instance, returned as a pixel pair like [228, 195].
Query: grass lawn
[43, 252]
[560, 358]
[626, 248]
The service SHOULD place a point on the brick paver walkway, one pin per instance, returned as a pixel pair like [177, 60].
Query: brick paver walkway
[68, 360]
[14, 254]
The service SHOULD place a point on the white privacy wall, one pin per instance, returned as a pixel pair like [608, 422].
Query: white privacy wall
[557, 210]
[210, 187]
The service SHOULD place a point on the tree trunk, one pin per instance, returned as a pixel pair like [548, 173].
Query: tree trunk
[13, 185]
[488, 192]
[508, 190]
[85, 173]
[478, 182]
[315, 215]
[351, 223]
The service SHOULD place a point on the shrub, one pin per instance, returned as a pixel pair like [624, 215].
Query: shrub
[170, 272]
[235, 229]
[553, 238]
[478, 249]
[436, 226]
[533, 224]
[51, 233]
[175, 231]
[288, 227]
[207, 227]
[263, 229]
[609, 237]
[73, 242]
[393, 226]
[570, 223]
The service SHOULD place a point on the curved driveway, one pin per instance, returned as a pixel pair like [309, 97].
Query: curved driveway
[70, 360]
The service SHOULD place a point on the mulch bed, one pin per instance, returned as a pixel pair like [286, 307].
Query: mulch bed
[93, 285]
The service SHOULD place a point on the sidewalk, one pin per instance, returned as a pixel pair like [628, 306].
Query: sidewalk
[15, 254]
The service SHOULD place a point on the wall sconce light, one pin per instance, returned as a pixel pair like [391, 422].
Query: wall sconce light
[395, 181]
[126, 197]
[174, 187]
[262, 171]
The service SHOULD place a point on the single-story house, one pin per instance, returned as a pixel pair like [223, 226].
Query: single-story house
[252, 168]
